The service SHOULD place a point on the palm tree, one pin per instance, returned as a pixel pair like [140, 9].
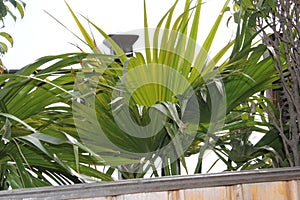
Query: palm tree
[170, 89]
[127, 113]
[39, 142]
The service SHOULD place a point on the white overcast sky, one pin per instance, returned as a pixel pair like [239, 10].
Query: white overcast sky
[37, 34]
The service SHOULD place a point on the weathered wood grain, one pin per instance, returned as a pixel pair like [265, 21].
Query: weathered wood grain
[266, 191]
[206, 193]
[272, 184]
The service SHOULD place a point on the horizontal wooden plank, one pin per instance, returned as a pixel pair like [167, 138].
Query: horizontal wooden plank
[123, 187]
[207, 193]
[294, 190]
[267, 191]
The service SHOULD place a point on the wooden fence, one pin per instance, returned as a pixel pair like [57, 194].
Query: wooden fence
[272, 184]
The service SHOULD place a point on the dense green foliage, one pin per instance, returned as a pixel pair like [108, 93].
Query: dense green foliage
[277, 21]
[61, 125]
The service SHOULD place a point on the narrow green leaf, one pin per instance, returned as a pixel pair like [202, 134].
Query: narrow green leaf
[3, 10]
[24, 176]
[202, 55]
[169, 14]
[76, 157]
[18, 120]
[3, 48]
[117, 49]
[20, 9]
[7, 37]
[191, 45]
[6, 132]
[212, 63]
[84, 33]
[146, 33]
